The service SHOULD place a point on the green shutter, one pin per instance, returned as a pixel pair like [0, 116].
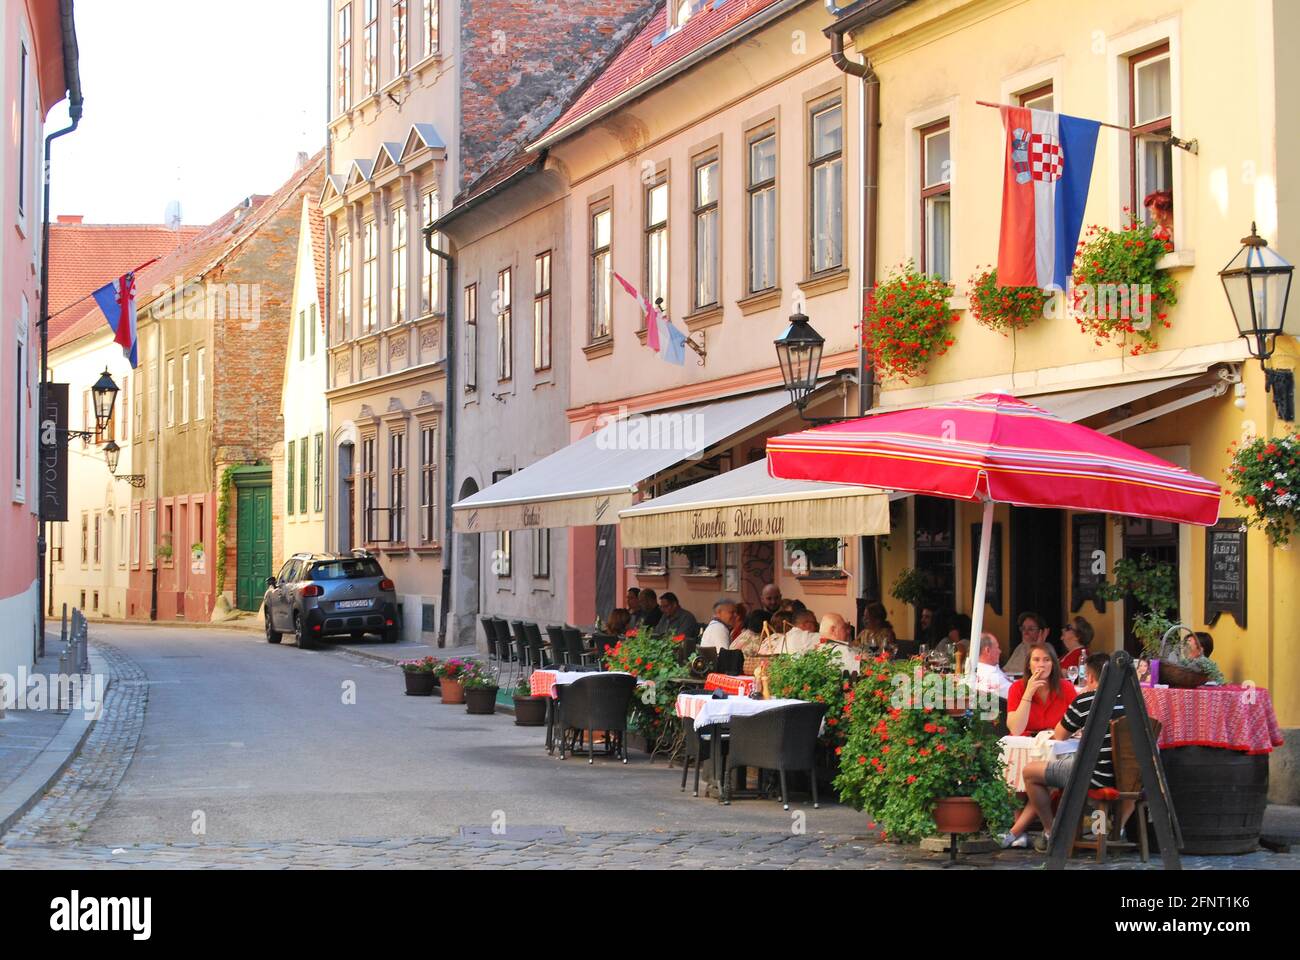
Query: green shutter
[289, 485]
[302, 475]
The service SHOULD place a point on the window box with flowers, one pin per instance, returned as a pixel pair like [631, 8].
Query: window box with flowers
[1119, 294]
[909, 323]
[1004, 309]
[1264, 477]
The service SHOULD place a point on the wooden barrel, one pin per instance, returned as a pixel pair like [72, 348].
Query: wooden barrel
[1219, 796]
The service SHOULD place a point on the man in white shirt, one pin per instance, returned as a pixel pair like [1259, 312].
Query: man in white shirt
[988, 675]
[834, 632]
[718, 632]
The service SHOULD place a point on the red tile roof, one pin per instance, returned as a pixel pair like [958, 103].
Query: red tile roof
[643, 63]
[316, 224]
[85, 256]
[204, 252]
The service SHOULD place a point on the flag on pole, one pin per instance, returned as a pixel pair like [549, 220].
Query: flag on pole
[117, 301]
[649, 312]
[1044, 191]
[674, 344]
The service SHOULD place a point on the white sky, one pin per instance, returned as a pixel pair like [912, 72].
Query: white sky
[186, 100]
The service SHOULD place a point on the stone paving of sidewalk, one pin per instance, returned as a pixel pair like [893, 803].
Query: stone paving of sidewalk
[25, 733]
[49, 836]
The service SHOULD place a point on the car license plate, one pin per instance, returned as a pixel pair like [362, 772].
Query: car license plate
[351, 604]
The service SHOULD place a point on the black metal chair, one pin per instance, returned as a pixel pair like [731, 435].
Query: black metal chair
[698, 746]
[504, 643]
[536, 649]
[731, 662]
[780, 739]
[597, 702]
[555, 643]
[575, 654]
[599, 641]
[522, 653]
[490, 634]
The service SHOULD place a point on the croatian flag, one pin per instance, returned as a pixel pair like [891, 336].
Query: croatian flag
[1044, 190]
[648, 311]
[117, 301]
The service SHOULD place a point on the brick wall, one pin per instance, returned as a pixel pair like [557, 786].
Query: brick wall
[522, 62]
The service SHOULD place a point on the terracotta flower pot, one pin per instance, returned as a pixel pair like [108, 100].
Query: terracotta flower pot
[453, 691]
[530, 711]
[419, 684]
[480, 700]
[958, 815]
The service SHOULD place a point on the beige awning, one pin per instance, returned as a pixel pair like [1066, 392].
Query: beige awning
[746, 504]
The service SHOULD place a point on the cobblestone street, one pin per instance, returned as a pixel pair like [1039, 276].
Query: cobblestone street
[90, 818]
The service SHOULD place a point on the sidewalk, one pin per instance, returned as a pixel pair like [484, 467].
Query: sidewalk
[393, 652]
[36, 746]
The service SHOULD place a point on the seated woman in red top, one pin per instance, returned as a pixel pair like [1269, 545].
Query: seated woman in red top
[1039, 699]
[1077, 637]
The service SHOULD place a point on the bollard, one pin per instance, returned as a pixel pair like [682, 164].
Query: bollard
[63, 672]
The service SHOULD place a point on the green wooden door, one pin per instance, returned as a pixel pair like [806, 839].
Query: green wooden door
[253, 545]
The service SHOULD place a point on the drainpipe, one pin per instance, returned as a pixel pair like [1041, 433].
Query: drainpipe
[72, 77]
[868, 205]
[868, 211]
[449, 427]
[329, 462]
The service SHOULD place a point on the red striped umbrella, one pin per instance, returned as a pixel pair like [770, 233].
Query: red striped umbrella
[995, 448]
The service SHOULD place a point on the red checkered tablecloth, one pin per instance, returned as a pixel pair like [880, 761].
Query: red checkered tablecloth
[542, 683]
[1229, 717]
[742, 686]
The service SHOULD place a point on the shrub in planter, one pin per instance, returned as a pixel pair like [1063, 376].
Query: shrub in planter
[451, 678]
[1153, 586]
[480, 689]
[1004, 308]
[909, 323]
[899, 760]
[1264, 477]
[419, 676]
[654, 659]
[816, 676]
[1118, 293]
[530, 711]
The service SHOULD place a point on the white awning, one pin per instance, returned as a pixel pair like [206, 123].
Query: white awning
[746, 504]
[592, 479]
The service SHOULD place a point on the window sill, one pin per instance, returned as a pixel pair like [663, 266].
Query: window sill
[601, 348]
[959, 303]
[703, 579]
[704, 317]
[395, 550]
[833, 584]
[755, 303]
[652, 579]
[1179, 259]
[827, 282]
[429, 550]
[427, 62]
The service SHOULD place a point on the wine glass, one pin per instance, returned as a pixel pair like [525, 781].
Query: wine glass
[1072, 674]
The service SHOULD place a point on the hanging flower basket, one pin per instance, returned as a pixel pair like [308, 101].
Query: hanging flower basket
[1119, 295]
[909, 323]
[1004, 308]
[1264, 477]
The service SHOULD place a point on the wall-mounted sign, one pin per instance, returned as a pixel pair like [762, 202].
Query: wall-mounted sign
[993, 586]
[54, 452]
[1088, 559]
[1225, 570]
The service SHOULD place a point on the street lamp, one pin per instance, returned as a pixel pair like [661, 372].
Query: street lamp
[799, 352]
[105, 394]
[111, 453]
[1257, 282]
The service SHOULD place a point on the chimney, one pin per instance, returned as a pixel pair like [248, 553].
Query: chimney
[69, 218]
[301, 160]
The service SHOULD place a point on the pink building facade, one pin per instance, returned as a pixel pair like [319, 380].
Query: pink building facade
[32, 79]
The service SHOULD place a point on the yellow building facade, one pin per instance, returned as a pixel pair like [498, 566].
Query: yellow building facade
[1203, 71]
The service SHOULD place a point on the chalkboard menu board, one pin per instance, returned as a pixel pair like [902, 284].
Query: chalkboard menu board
[1225, 570]
[993, 587]
[1088, 559]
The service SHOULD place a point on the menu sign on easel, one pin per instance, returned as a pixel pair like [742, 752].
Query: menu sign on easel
[1089, 559]
[1225, 570]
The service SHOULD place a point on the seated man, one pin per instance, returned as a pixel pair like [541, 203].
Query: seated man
[1041, 777]
[718, 632]
[675, 619]
[835, 633]
[647, 613]
[771, 599]
[988, 675]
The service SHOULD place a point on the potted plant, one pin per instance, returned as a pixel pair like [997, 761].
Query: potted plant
[1118, 291]
[816, 676]
[1004, 308]
[908, 323]
[451, 675]
[480, 689]
[1264, 477]
[530, 711]
[420, 677]
[918, 771]
[1153, 586]
[909, 587]
[653, 659]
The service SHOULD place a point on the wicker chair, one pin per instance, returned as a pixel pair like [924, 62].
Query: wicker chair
[536, 649]
[1128, 786]
[597, 702]
[574, 652]
[522, 653]
[504, 643]
[780, 739]
[489, 634]
[699, 747]
[555, 645]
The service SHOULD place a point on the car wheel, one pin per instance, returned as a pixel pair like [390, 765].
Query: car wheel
[392, 635]
[272, 634]
[300, 635]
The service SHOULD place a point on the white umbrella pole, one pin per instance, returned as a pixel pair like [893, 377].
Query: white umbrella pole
[981, 588]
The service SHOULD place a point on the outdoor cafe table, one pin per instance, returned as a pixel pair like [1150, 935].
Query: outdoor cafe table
[544, 683]
[707, 711]
[1018, 752]
[742, 685]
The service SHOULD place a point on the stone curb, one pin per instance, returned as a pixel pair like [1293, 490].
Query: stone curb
[25, 792]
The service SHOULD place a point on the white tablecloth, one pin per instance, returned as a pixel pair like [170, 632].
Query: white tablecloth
[704, 709]
[1017, 752]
